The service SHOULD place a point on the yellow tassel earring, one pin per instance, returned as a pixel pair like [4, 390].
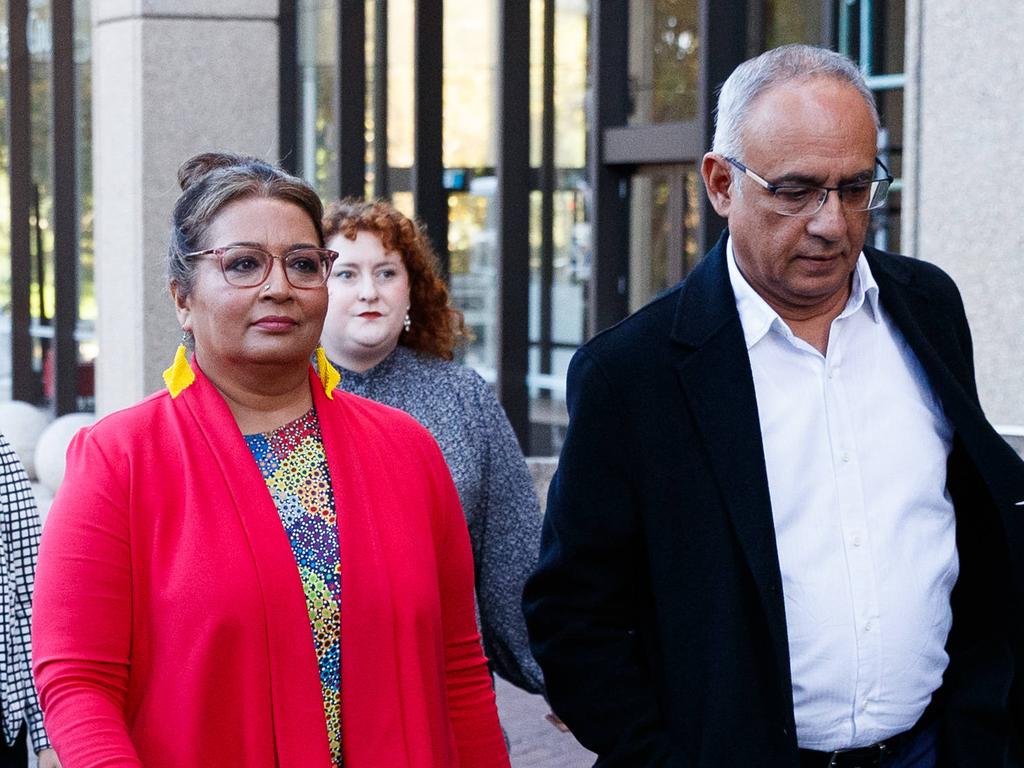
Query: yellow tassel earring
[180, 375]
[329, 376]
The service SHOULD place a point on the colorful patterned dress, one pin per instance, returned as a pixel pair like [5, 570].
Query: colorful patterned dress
[292, 461]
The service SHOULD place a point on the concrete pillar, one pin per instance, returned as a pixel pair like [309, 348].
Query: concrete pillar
[964, 161]
[170, 78]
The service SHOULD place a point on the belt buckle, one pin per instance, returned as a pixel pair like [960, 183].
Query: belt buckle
[873, 759]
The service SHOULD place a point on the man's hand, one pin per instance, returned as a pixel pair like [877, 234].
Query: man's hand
[48, 759]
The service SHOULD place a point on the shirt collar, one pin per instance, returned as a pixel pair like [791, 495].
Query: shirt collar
[758, 318]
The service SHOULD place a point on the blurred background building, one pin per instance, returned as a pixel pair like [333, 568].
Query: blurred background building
[551, 147]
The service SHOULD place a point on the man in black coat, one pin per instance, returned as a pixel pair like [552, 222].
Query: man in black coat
[782, 532]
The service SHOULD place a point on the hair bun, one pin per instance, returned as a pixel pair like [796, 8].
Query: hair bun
[197, 167]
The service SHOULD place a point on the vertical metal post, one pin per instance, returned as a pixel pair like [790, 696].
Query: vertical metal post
[65, 209]
[513, 200]
[609, 68]
[39, 251]
[288, 87]
[722, 49]
[381, 186]
[547, 188]
[429, 196]
[24, 382]
[867, 64]
[844, 27]
[829, 22]
[350, 98]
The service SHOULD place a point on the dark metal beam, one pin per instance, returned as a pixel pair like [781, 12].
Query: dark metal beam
[429, 196]
[24, 381]
[381, 187]
[513, 201]
[350, 98]
[723, 47]
[609, 30]
[547, 187]
[654, 144]
[400, 179]
[288, 85]
[757, 32]
[828, 23]
[65, 209]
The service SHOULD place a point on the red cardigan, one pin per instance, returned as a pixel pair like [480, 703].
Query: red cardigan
[170, 626]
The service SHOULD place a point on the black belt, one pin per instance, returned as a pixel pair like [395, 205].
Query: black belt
[864, 757]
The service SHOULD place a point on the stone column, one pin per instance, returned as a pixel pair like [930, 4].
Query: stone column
[170, 78]
[964, 161]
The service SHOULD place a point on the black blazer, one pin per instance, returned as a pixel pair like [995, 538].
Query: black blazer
[656, 611]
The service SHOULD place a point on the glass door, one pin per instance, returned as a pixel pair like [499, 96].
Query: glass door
[664, 220]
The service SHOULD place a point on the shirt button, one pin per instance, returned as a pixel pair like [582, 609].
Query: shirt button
[856, 541]
[867, 627]
[864, 704]
[845, 456]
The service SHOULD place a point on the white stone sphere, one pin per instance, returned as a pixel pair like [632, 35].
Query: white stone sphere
[22, 424]
[53, 447]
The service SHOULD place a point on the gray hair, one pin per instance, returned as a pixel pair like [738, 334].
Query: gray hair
[778, 66]
[209, 182]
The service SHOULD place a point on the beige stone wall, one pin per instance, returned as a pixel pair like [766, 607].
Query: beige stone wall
[171, 78]
[964, 150]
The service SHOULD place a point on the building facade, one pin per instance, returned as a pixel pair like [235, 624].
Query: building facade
[551, 147]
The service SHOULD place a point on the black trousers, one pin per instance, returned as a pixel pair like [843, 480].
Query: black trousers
[14, 755]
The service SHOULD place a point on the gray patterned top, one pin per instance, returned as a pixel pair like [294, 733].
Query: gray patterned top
[460, 410]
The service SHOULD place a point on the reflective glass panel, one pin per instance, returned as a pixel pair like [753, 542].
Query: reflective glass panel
[570, 81]
[664, 220]
[551, 352]
[886, 222]
[650, 231]
[371, 128]
[536, 79]
[317, 32]
[872, 33]
[571, 267]
[87, 348]
[470, 48]
[792, 21]
[41, 213]
[571, 36]
[473, 270]
[400, 83]
[663, 66]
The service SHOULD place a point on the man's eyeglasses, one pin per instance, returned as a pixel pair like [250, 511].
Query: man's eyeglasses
[807, 200]
[246, 266]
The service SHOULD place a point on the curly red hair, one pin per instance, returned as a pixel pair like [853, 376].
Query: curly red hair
[436, 327]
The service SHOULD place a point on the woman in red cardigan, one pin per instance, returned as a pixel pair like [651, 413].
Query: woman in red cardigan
[250, 568]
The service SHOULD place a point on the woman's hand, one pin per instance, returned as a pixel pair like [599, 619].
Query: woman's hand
[48, 759]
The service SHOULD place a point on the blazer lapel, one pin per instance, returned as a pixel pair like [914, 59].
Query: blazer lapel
[925, 330]
[714, 373]
[932, 337]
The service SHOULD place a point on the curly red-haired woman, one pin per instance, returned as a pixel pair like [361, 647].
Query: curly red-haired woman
[391, 330]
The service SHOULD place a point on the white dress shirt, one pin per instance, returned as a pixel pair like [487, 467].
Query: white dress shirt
[855, 447]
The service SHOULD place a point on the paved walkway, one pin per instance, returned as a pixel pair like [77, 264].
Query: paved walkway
[535, 742]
